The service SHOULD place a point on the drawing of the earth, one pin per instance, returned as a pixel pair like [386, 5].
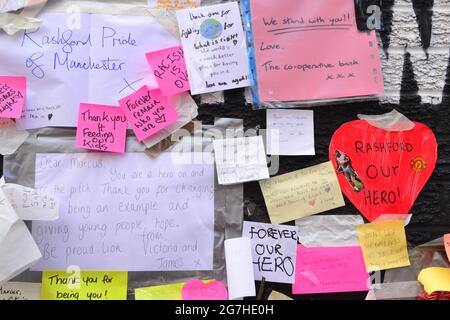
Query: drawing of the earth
[211, 29]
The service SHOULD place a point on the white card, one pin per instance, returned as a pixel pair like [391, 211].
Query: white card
[240, 160]
[290, 132]
[240, 276]
[215, 47]
[274, 250]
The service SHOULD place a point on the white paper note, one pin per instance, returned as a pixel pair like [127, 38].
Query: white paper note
[290, 132]
[408, 290]
[10, 138]
[80, 58]
[30, 204]
[274, 250]
[20, 291]
[215, 47]
[240, 160]
[329, 230]
[18, 252]
[240, 276]
[7, 215]
[146, 215]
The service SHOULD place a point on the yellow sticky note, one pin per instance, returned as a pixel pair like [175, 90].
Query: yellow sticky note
[383, 245]
[84, 285]
[435, 279]
[166, 292]
[302, 193]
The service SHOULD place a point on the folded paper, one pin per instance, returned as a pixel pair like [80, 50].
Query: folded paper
[383, 245]
[10, 137]
[84, 285]
[101, 128]
[302, 193]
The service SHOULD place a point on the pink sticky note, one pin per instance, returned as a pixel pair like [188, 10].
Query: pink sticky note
[102, 128]
[309, 50]
[198, 290]
[12, 96]
[326, 269]
[169, 68]
[148, 112]
[447, 245]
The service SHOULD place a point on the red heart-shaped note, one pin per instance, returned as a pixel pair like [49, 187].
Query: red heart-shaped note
[198, 290]
[380, 171]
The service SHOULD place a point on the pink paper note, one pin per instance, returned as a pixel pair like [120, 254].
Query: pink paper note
[148, 112]
[102, 128]
[12, 96]
[308, 50]
[326, 269]
[169, 69]
[447, 245]
[198, 290]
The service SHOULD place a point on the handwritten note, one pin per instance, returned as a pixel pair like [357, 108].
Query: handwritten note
[147, 215]
[214, 43]
[383, 245]
[173, 4]
[196, 289]
[336, 59]
[240, 160]
[148, 112]
[169, 69]
[302, 193]
[322, 270]
[447, 245]
[20, 291]
[84, 285]
[164, 292]
[290, 132]
[12, 96]
[93, 58]
[274, 249]
[30, 204]
[435, 279]
[102, 128]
